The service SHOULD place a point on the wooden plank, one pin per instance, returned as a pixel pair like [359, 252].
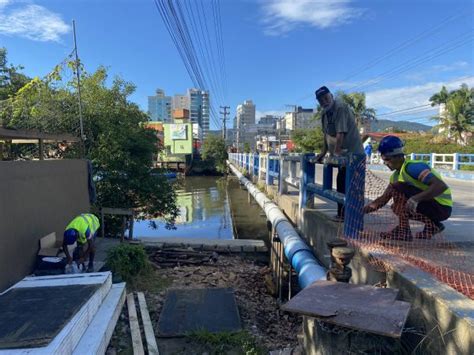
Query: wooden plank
[134, 326]
[97, 336]
[362, 307]
[117, 211]
[6, 133]
[147, 326]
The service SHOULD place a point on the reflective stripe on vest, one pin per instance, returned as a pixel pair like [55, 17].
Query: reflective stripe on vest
[444, 199]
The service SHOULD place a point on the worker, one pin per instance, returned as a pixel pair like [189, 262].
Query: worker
[418, 193]
[81, 230]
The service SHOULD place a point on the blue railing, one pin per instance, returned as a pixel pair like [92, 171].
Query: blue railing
[299, 172]
[453, 161]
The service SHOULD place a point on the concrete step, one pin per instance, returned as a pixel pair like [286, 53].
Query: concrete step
[97, 336]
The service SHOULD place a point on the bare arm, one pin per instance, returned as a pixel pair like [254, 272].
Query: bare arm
[339, 141]
[66, 251]
[380, 201]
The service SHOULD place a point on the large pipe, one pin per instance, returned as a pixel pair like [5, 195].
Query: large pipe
[297, 252]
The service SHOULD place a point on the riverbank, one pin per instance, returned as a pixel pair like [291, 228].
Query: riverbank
[263, 324]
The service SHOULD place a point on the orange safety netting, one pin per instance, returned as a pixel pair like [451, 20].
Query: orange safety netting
[434, 254]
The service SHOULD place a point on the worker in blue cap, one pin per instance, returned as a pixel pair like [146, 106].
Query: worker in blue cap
[418, 193]
[81, 230]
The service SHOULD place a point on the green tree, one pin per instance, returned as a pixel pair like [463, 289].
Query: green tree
[247, 148]
[118, 145]
[456, 118]
[214, 152]
[356, 101]
[308, 140]
[11, 80]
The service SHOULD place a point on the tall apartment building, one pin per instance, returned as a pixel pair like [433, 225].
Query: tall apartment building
[245, 122]
[159, 107]
[302, 118]
[199, 108]
[180, 102]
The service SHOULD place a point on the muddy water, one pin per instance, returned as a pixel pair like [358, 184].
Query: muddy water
[210, 207]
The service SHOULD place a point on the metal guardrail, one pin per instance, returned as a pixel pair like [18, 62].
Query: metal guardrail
[299, 172]
[453, 161]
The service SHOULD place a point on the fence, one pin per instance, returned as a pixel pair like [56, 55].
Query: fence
[296, 173]
[455, 161]
[299, 172]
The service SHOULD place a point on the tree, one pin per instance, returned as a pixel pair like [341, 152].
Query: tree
[356, 101]
[10, 78]
[309, 140]
[214, 152]
[247, 148]
[118, 144]
[456, 117]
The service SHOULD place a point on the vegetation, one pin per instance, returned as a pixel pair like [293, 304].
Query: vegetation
[308, 140]
[214, 153]
[356, 101]
[117, 144]
[247, 148]
[128, 261]
[457, 117]
[224, 342]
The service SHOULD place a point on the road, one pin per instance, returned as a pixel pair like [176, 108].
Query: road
[459, 227]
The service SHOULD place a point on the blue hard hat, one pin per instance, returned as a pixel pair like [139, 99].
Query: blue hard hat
[70, 236]
[391, 145]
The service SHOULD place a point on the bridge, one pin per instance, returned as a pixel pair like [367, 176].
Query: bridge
[420, 269]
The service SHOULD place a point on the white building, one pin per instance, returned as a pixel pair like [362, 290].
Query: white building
[245, 122]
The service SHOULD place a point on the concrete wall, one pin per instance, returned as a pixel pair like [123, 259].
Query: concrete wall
[36, 198]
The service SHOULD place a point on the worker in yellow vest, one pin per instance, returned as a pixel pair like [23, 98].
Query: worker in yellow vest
[418, 193]
[81, 230]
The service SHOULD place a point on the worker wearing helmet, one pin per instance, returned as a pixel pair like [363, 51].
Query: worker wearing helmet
[81, 230]
[418, 192]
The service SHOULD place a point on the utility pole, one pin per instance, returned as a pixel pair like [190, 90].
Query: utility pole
[224, 119]
[81, 123]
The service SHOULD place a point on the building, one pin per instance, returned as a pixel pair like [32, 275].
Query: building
[245, 124]
[301, 118]
[180, 101]
[159, 107]
[199, 109]
[268, 120]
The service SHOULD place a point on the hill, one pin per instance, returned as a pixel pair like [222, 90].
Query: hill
[382, 125]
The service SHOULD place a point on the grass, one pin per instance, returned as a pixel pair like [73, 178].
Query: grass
[151, 281]
[241, 342]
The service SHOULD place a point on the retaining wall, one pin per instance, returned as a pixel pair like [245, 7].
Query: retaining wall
[37, 198]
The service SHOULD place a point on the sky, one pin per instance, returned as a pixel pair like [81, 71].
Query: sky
[274, 52]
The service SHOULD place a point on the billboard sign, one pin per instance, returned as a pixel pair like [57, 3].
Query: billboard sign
[178, 131]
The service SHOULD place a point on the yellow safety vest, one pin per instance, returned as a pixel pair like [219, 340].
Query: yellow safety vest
[444, 199]
[81, 223]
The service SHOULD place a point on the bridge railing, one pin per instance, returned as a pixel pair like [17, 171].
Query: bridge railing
[453, 161]
[299, 172]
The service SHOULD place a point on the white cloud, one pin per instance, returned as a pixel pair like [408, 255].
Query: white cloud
[282, 16]
[31, 21]
[460, 66]
[411, 96]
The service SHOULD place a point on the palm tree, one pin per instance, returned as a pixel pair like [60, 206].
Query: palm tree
[456, 115]
[362, 113]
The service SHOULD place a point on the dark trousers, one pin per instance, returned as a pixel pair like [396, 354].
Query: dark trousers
[341, 187]
[430, 209]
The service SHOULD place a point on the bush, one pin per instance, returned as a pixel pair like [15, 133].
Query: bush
[127, 261]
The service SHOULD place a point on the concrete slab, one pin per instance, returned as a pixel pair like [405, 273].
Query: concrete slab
[231, 245]
[211, 309]
[33, 316]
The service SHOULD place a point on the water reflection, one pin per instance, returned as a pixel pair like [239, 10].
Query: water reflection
[204, 212]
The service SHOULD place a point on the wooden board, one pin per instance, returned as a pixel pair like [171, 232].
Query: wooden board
[147, 326]
[134, 326]
[362, 307]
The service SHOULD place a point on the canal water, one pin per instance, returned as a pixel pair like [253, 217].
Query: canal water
[210, 207]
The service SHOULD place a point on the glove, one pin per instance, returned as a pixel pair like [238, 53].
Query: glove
[412, 205]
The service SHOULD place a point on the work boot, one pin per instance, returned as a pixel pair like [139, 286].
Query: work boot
[90, 268]
[430, 230]
[398, 233]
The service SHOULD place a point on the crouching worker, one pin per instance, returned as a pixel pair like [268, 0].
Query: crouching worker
[82, 229]
[418, 193]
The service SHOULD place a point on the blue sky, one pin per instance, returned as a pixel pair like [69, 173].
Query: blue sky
[277, 52]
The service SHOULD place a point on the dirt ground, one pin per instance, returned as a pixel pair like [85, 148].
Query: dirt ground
[270, 328]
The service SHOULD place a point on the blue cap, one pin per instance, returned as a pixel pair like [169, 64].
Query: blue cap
[323, 90]
[390, 146]
[70, 236]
